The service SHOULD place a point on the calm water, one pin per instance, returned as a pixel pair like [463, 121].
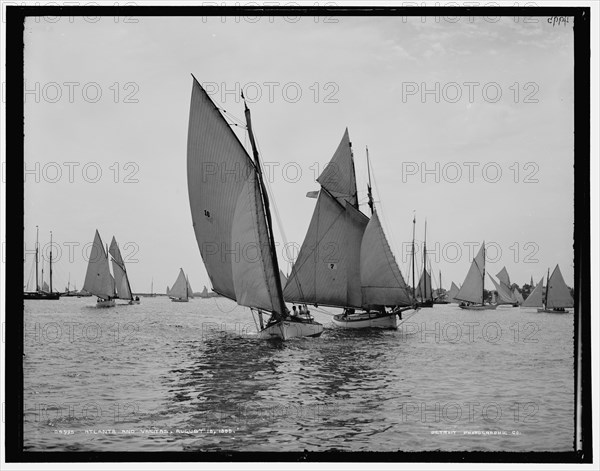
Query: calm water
[163, 376]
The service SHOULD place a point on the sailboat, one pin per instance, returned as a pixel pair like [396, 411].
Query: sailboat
[206, 294]
[471, 293]
[345, 260]
[179, 292]
[424, 292]
[189, 288]
[440, 295]
[230, 211]
[123, 287]
[556, 298]
[98, 280]
[506, 295]
[450, 296]
[152, 294]
[45, 291]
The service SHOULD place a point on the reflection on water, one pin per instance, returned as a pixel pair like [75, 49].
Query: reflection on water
[167, 376]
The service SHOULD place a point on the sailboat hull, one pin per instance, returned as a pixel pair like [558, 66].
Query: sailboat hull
[105, 303]
[291, 329]
[428, 303]
[179, 300]
[479, 307]
[552, 311]
[133, 301]
[41, 295]
[366, 320]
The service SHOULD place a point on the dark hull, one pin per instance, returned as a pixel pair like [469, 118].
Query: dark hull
[425, 304]
[41, 295]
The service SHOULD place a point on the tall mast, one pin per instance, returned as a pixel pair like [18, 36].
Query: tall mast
[51, 261]
[37, 245]
[547, 289]
[440, 281]
[483, 278]
[424, 293]
[413, 258]
[267, 210]
[369, 193]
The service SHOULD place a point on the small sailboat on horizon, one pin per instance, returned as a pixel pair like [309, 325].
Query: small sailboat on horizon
[556, 298]
[506, 294]
[44, 291]
[180, 293]
[123, 287]
[98, 280]
[472, 291]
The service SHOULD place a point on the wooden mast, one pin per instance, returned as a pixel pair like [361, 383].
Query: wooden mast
[265, 200]
[369, 192]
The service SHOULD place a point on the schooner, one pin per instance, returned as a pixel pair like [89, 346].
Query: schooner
[232, 219]
[345, 260]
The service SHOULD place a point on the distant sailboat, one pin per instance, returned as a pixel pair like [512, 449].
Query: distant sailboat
[424, 289]
[152, 293]
[98, 280]
[179, 292]
[123, 287]
[189, 288]
[452, 293]
[231, 211]
[556, 298]
[361, 272]
[440, 296]
[206, 294]
[45, 291]
[506, 294]
[471, 292]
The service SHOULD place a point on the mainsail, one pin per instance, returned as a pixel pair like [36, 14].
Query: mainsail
[559, 295]
[122, 285]
[45, 287]
[381, 280]
[327, 270]
[472, 288]
[98, 279]
[508, 296]
[228, 214]
[518, 296]
[535, 298]
[179, 289]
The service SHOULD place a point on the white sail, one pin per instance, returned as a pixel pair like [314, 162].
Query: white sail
[327, 270]
[381, 280]
[189, 288]
[45, 287]
[98, 279]
[507, 287]
[179, 289]
[503, 277]
[535, 298]
[283, 278]
[227, 210]
[504, 296]
[339, 176]
[123, 288]
[452, 293]
[559, 295]
[472, 288]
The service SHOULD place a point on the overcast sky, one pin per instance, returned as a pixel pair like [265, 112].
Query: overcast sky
[501, 99]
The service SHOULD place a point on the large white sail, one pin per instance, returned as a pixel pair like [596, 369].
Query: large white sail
[227, 210]
[381, 280]
[507, 286]
[123, 288]
[327, 270]
[179, 289]
[472, 288]
[339, 177]
[559, 295]
[452, 293]
[98, 279]
[535, 298]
